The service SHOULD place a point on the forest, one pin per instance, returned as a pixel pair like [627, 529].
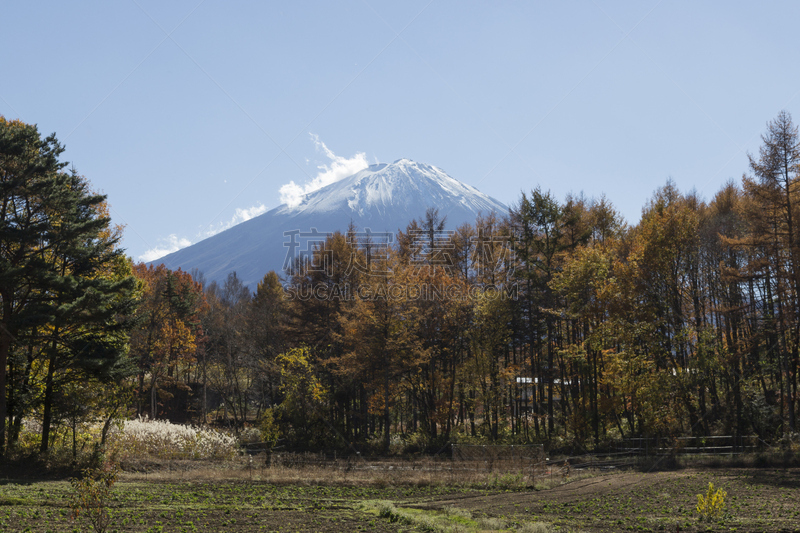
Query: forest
[556, 322]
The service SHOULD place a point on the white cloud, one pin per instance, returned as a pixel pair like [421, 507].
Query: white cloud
[173, 243]
[239, 216]
[339, 168]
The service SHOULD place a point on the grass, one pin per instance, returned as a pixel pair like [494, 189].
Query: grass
[451, 519]
[368, 472]
[424, 520]
[211, 506]
[407, 496]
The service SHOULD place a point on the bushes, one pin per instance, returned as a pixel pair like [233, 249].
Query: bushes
[92, 495]
[164, 440]
[712, 504]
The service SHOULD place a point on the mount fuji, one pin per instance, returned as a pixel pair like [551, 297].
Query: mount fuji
[382, 198]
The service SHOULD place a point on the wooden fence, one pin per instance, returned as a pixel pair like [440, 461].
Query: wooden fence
[715, 445]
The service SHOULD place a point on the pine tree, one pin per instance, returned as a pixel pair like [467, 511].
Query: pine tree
[63, 285]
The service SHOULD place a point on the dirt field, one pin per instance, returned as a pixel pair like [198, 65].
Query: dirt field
[758, 500]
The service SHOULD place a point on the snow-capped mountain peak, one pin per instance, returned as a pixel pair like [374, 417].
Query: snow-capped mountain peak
[399, 187]
[382, 197]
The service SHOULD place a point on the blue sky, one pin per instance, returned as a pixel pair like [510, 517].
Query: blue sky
[193, 115]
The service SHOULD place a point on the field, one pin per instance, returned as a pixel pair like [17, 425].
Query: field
[185, 497]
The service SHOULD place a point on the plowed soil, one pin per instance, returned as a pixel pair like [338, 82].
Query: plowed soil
[757, 501]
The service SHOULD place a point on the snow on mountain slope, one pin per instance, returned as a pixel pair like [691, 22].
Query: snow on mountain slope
[388, 188]
[382, 197]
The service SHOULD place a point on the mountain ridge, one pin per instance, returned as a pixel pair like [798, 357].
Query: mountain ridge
[382, 197]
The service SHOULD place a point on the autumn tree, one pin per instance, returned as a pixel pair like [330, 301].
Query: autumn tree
[585, 286]
[304, 395]
[380, 341]
[231, 354]
[773, 187]
[538, 231]
[165, 341]
[685, 323]
[266, 317]
[320, 288]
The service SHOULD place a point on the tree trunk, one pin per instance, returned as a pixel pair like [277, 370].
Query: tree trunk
[5, 347]
[48, 403]
[387, 422]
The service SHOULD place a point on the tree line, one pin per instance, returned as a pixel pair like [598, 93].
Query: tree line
[555, 322]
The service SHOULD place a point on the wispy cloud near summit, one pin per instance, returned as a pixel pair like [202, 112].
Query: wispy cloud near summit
[239, 216]
[339, 168]
[291, 194]
[173, 243]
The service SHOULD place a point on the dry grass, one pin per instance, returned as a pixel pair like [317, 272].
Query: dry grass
[422, 471]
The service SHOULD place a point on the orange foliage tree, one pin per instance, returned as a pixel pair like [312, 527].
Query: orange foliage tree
[168, 335]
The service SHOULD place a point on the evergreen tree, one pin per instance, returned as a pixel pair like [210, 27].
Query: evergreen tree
[64, 292]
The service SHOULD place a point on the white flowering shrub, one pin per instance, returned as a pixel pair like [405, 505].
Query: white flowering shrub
[250, 435]
[165, 440]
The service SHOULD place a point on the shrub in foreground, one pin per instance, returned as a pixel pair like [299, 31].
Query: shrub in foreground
[712, 504]
[91, 495]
